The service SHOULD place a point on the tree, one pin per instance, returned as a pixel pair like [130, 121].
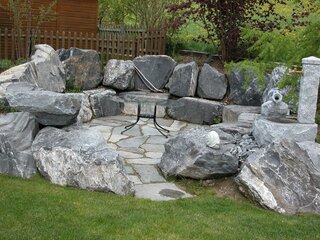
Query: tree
[145, 13]
[223, 19]
[22, 16]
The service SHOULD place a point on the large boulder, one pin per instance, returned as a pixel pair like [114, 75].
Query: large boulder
[22, 73]
[267, 131]
[188, 155]
[284, 177]
[79, 157]
[183, 82]
[82, 67]
[49, 68]
[50, 108]
[104, 103]
[195, 110]
[157, 70]
[244, 92]
[119, 74]
[231, 113]
[211, 83]
[17, 132]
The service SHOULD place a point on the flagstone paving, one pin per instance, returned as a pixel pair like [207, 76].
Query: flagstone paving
[141, 149]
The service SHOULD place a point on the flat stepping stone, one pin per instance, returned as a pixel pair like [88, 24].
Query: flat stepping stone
[150, 130]
[129, 169]
[148, 173]
[157, 140]
[133, 142]
[135, 179]
[154, 154]
[129, 155]
[160, 192]
[153, 147]
[144, 161]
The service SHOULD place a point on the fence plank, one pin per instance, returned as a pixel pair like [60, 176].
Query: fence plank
[124, 44]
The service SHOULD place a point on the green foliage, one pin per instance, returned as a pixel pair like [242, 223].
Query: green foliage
[187, 38]
[5, 108]
[71, 88]
[36, 209]
[5, 64]
[251, 69]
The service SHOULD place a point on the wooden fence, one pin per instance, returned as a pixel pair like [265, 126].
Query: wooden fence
[119, 45]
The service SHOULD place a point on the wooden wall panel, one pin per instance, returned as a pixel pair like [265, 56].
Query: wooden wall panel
[69, 15]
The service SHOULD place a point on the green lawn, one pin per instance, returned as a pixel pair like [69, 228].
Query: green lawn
[36, 209]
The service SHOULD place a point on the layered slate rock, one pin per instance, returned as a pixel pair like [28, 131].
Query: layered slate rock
[79, 157]
[157, 69]
[49, 68]
[231, 113]
[22, 73]
[183, 82]
[267, 131]
[17, 132]
[119, 74]
[188, 155]
[50, 108]
[240, 94]
[147, 102]
[196, 110]
[284, 177]
[104, 103]
[211, 83]
[82, 67]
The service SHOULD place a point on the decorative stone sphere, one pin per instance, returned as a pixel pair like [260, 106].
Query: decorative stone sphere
[213, 140]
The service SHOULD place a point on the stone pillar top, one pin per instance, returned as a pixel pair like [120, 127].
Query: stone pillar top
[311, 60]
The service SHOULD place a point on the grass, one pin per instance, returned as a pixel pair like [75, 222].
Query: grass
[36, 209]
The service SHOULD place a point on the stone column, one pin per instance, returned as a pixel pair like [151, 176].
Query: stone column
[309, 86]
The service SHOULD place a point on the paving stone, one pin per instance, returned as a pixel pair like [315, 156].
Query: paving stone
[135, 179]
[132, 150]
[160, 192]
[105, 130]
[125, 154]
[148, 173]
[112, 145]
[129, 169]
[153, 147]
[150, 130]
[154, 154]
[143, 161]
[133, 132]
[177, 126]
[157, 140]
[132, 142]
[106, 122]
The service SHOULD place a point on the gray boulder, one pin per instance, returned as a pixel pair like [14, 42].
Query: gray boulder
[211, 83]
[195, 110]
[49, 68]
[22, 73]
[119, 74]
[82, 67]
[17, 132]
[267, 131]
[183, 82]
[240, 94]
[188, 155]
[231, 113]
[50, 108]
[79, 157]
[284, 177]
[157, 69]
[275, 78]
[104, 103]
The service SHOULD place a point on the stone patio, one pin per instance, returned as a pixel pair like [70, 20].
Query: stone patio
[141, 149]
